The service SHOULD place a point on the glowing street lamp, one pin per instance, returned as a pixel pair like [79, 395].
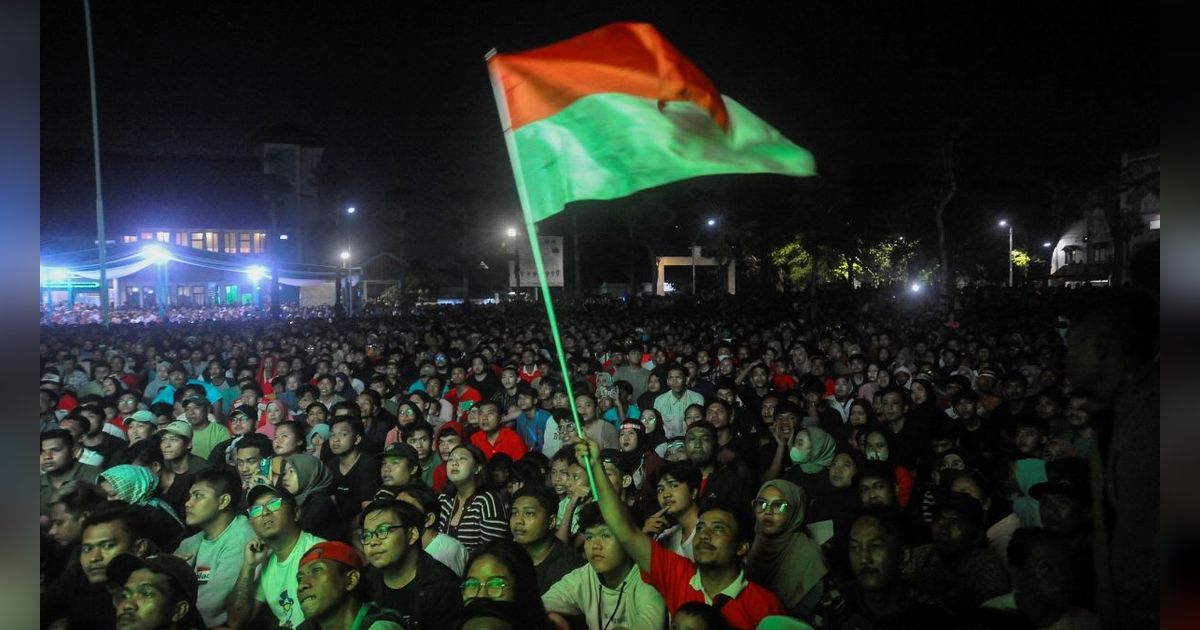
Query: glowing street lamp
[156, 253]
[1005, 224]
[256, 273]
[345, 256]
[915, 288]
[351, 210]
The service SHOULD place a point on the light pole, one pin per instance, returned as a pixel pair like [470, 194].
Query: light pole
[511, 233]
[1005, 223]
[696, 237]
[349, 298]
[160, 256]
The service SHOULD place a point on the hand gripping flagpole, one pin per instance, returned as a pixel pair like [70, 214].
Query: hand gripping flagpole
[531, 230]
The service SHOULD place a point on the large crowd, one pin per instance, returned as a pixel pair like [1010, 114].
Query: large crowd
[964, 462]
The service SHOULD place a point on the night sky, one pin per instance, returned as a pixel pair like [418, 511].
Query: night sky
[402, 99]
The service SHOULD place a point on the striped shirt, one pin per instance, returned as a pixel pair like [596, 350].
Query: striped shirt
[484, 519]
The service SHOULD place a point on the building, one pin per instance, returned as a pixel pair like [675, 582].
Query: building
[198, 283]
[290, 159]
[1087, 252]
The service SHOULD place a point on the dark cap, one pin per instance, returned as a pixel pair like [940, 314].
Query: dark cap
[405, 451]
[960, 502]
[244, 410]
[175, 568]
[1068, 476]
[195, 400]
[257, 491]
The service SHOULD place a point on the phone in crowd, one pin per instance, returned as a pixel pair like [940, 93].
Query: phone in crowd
[264, 467]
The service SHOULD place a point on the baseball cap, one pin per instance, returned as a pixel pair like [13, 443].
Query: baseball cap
[243, 410]
[403, 450]
[257, 491]
[51, 377]
[180, 428]
[142, 415]
[959, 502]
[1068, 476]
[194, 400]
[333, 550]
[175, 568]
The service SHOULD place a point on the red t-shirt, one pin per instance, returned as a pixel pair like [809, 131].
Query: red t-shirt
[455, 399]
[671, 575]
[507, 442]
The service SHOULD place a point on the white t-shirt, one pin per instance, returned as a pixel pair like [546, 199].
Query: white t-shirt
[277, 583]
[448, 551]
[673, 540]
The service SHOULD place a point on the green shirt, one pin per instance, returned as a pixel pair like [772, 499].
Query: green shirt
[205, 439]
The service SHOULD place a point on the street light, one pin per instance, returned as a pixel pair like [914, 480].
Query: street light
[351, 210]
[511, 232]
[708, 223]
[1005, 223]
[1047, 244]
[159, 256]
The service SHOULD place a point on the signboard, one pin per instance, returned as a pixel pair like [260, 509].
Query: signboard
[552, 257]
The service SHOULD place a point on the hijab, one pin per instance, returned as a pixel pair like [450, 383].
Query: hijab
[312, 476]
[789, 563]
[135, 485]
[824, 447]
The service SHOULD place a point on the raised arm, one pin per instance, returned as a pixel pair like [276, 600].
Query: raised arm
[616, 516]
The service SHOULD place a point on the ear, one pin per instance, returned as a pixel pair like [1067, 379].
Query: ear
[626, 481]
[181, 611]
[430, 520]
[224, 501]
[414, 536]
[743, 548]
[142, 547]
[352, 578]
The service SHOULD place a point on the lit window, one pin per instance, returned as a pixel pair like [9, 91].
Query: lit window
[146, 236]
[165, 237]
[197, 240]
[181, 239]
[244, 242]
[259, 238]
[1155, 223]
[129, 239]
[230, 243]
[210, 241]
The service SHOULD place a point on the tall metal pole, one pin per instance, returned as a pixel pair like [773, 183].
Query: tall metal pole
[693, 267]
[100, 244]
[1010, 260]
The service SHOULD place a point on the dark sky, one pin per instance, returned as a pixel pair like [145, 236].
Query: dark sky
[401, 96]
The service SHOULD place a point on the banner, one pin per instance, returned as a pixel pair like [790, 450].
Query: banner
[552, 258]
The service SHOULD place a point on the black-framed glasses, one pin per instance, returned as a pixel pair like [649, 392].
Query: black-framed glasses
[492, 587]
[379, 532]
[778, 507]
[270, 507]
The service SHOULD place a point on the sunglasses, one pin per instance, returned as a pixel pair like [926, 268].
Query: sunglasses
[270, 507]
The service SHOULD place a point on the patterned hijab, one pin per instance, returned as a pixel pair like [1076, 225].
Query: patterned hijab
[135, 485]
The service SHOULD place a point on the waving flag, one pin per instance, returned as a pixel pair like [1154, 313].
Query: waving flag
[618, 110]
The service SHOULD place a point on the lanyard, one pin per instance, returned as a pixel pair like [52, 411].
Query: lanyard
[600, 603]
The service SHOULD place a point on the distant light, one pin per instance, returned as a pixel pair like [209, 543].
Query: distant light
[283, 237]
[511, 232]
[351, 210]
[1003, 223]
[133, 289]
[156, 253]
[915, 288]
[668, 287]
[1047, 244]
[55, 273]
[901, 238]
[712, 222]
[256, 273]
[345, 255]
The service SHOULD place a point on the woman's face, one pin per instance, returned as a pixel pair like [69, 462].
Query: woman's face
[461, 466]
[628, 440]
[654, 384]
[918, 393]
[495, 580]
[275, 413]
[772, 523]
[286, 441]
[883, 378]
[108, 387]
[952, 461]
[876, 446]
[804, 442]
[842, 471]
[291, 482]
[406, 413]
[858, 416]
[872, 371]
[127, 404]
[693, 415]
[138, 431]
[649, 420]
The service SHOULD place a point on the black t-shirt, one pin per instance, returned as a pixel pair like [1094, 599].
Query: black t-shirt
[487, 387]
[111, 448]
[355, 487]
[432, 599]
[560, 561]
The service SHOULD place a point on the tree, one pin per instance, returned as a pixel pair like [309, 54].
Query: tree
[945, 186]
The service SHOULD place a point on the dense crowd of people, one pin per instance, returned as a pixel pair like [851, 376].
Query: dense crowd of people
[978, 461]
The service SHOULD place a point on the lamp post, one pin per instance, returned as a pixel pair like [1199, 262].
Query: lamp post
[696, 237]
[1005, 224]
[511, 233]
[345, 256]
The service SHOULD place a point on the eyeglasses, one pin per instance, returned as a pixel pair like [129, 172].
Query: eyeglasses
[380, 532]
[763, 505]
[493, 587]
[270, 507]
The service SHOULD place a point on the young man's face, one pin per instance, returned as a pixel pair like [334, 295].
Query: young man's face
[952, 532]
[489, 418]
[674, 495]
[342, 438]
[891, 406]
[322, 585]
[586, 407]
[602, 550]
[558, 477]
[877, 492]
[55, 456]
[250, 397]
[842, 471]
[716, 540]
[203, 505]
[422, 441]
[271, 525]
[457, 376]
[99, 544]
[65, 527]
[874, 555]
[508, 378]
[676, 381]
[247, 462]
[530, 523]
[366, 405]
[144, 601]
[395, 471]
[717, 415]
[386, 551]
[1030, 441]
[448, 442]
[1061, 513]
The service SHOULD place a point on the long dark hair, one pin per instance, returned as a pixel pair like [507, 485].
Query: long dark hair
[527, 610]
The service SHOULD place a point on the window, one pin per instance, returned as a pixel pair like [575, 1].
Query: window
[1073, 254]
[129, 239]
[197, 240]
[243, 242]
[1101, 253]
[210, 241]
[164, 237]
[230, 243]
[181, 238]
[146, 236]
[259, 239]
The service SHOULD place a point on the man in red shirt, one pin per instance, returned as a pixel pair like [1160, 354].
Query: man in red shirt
[460, 392]
[491, 438]
[721, 542]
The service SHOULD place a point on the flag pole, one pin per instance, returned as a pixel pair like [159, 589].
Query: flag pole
[531, 231]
